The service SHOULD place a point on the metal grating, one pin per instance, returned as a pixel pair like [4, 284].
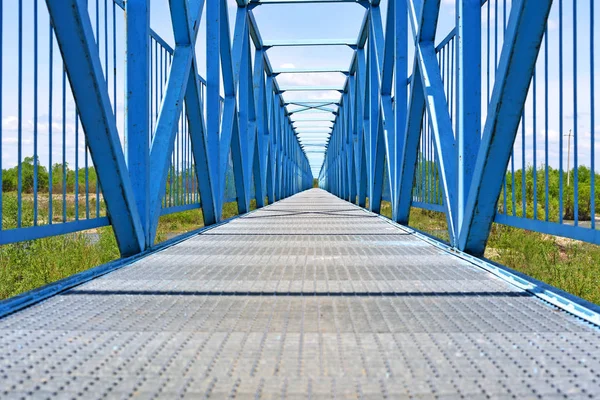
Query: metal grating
[310, 297]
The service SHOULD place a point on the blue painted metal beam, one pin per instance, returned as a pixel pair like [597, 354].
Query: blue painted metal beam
[137, 102]
[250, 148]
[262, 140]
[75, 38]
[410, 147]
[271, 154]
[401, 98]
[213, 98]
[311, 102]
[309, 42]
[314, 108]
[186, 33]
[310, 88]
[270, 2]
[468, 113]
[246, 115]
[166, 128]
[320, 124]
[424, 16]
[385, 61]
[313, 120]
[361, 126]
[376, 144]
[184, 17]
[231, 138]
[441, 128]
[314, 70]
[199, 147]
[523, 38]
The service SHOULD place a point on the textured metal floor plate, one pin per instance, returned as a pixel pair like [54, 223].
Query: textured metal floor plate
[308, 298]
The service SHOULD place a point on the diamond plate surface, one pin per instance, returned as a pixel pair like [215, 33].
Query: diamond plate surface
[308, 298]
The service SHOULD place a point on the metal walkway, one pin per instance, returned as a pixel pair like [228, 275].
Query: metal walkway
[311, 297]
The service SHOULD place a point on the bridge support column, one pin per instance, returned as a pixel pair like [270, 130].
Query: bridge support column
[75, 38]
[524, 34]
[468, 115]
[137, 135]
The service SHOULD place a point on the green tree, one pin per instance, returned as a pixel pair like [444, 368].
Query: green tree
[10, 177]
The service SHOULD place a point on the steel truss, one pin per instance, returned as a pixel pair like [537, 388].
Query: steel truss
[374, 126]
[253, 123]
[381, 114]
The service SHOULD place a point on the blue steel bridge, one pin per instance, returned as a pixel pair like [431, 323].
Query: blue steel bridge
[313, 294]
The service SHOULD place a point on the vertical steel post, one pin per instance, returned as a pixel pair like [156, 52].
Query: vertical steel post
[526, 27]
[137, 135]
[401, 93]
[213, 98]
[468, 113]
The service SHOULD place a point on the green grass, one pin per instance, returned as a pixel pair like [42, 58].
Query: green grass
[570, 265]
[567, 264]
[31, 264]
[27, 265]
[178, 223]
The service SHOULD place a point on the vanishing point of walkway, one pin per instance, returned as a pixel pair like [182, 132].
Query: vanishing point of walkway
[310, 297]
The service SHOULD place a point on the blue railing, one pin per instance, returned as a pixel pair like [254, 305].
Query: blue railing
[427, 193]
[49, 183]
[181, 192]
[556, 144]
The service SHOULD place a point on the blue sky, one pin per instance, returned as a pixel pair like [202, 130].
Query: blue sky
[284, 22]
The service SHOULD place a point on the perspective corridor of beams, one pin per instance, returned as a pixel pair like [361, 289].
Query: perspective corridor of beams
[312, 108]
[386, 109]
[274, 129]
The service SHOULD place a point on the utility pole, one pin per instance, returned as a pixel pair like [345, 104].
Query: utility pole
[569, 157]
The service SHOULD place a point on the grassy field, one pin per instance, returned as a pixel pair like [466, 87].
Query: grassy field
[568, 264]
[28, 265]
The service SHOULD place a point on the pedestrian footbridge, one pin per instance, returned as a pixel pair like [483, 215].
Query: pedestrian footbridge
[123, 115]
[311, 297]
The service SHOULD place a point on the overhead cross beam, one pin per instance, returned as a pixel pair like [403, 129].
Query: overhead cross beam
[309, 42]
[310, 88]
[314, 108]
[270, 2]
[314, 70]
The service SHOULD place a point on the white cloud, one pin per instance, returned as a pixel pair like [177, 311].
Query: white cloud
[552, 24]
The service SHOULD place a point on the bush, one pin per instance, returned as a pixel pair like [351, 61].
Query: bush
[10, 177]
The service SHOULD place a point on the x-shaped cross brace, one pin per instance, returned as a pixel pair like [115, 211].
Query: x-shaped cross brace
[427, 91]
[182, 85]
[522, 41]
[75, 37]
[524, 33]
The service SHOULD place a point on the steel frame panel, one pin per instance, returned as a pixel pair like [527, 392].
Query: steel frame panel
[182, 85]
[384, 130]
[75, 38]
[524, 34]
[374, 126]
